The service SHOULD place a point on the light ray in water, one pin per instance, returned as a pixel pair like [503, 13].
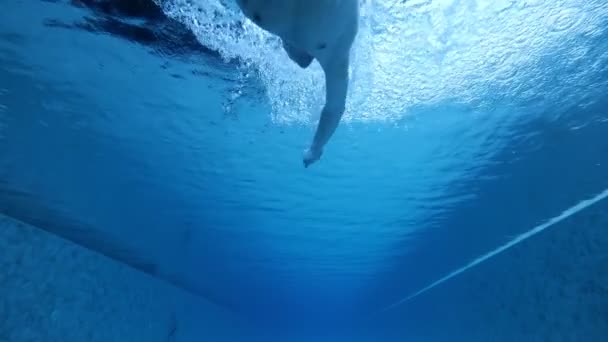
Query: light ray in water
[564, 215]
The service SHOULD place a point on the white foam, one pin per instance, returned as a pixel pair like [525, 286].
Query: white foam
[423, 52]
[564, 215]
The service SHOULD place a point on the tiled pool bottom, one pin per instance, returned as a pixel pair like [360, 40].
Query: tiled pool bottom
[552, 287]
[54, 290]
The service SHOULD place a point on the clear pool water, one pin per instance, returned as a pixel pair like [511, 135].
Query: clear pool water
[168, 135]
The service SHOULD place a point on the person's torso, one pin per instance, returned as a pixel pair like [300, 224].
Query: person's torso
[307, 24]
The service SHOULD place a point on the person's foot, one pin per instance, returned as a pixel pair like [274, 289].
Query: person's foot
[311, 155]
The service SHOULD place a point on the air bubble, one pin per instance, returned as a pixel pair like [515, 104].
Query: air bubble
[396, 66]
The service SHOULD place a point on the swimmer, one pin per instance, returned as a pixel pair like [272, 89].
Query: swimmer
[314, 29]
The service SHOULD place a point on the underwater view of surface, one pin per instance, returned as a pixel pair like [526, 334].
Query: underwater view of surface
[168, 135]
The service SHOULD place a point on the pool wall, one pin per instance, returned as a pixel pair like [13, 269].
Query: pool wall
[54, 290]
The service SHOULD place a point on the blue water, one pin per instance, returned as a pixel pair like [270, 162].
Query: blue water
[151, 136]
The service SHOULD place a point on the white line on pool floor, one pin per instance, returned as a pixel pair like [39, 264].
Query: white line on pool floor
[564, 215]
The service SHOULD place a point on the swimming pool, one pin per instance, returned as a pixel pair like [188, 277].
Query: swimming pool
[168, 136]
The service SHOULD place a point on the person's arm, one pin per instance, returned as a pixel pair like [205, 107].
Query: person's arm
[336, 87]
